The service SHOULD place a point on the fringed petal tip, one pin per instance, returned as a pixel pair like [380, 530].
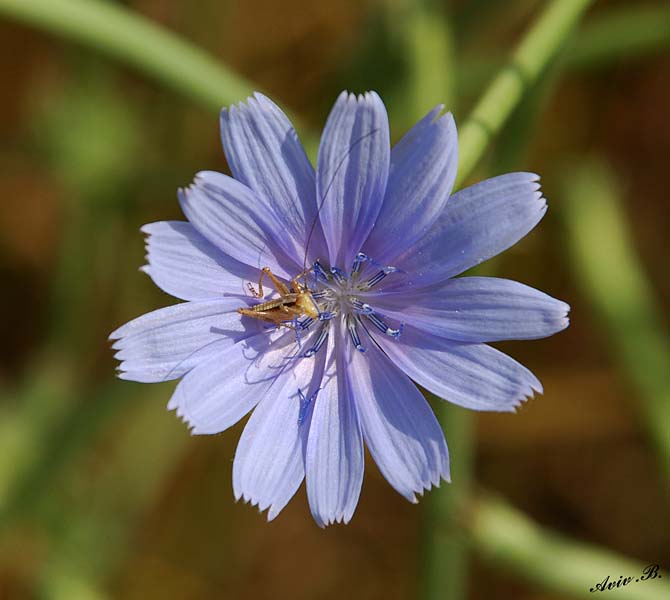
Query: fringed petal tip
[178, 405]
[254, 97]
[334, 520]
[242, 105]
[271, 511]
[439, 113]
[537, 203]
[564, 321]
[191, 428]
[430, 486]
[116, 336]
[416, 495]
[526, 395]
[353, 97]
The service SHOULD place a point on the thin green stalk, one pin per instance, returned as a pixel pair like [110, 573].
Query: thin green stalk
[424, 33]
[444, 552]
[622, 32]
[444, 555]
[611, 277]
[27, 423]
[528, 61]
[506, 537]
[129, 37]
[88, 548]
[615, 34]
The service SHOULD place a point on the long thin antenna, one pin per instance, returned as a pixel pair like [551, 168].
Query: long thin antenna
[325, 195]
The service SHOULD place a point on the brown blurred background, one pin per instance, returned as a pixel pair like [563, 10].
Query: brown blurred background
[105, 494]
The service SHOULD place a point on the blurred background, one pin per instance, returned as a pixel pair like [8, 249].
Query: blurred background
[104, 494]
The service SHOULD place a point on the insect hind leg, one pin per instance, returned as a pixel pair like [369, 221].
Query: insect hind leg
[280, 286]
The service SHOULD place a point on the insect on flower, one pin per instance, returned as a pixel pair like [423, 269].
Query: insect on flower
[298, 300]
[364, 253]
[294, 302]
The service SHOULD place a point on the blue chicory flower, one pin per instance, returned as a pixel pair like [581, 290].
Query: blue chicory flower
[382, 238]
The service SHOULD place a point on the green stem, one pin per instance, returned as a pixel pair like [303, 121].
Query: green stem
[90, 547]
[444, 556]
[425, 35]
[427, 40]
[610, 275]
[528, 62]
[445, 552]
[507, 538]
[118, 32]
[616, 34]
[622, 32]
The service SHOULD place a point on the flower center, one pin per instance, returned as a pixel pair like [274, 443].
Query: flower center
[336, 294]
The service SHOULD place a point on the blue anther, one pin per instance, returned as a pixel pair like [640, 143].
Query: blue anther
[319, 271]
[358, 261]
[362, 308]
[339, 275]
[318, 295]
[355, 338]
[396, 333]
[377, 322]
[304, 405]
[326, 315]
[374, 280]
[305, 323]
[384, 328]
[321, 338]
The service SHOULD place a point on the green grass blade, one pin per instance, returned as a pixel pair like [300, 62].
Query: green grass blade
[611, 277]
[508, 539]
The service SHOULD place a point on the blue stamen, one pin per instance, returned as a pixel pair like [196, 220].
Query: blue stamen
[319, 271]
[355, 338]
[339, 275]
[321, 294]
[358, 261]
[375, 279]
[305, 323]
[384, 328]
[362, 308]
[322, 337]
[326, 315]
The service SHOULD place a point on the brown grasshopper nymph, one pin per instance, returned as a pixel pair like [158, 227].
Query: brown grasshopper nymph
[292, 303]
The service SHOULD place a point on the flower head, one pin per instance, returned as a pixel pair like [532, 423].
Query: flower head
[357, 300]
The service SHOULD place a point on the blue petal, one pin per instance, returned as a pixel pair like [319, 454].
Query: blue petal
[352, 172]
[399, 427]
[269, 463]
[478, 222]
[168, 342]
[232, 217]
[185, 265]
[225, 387]
[475, 376]
[334, 460]
[421, 176]
[478, 309]
[264, 153]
